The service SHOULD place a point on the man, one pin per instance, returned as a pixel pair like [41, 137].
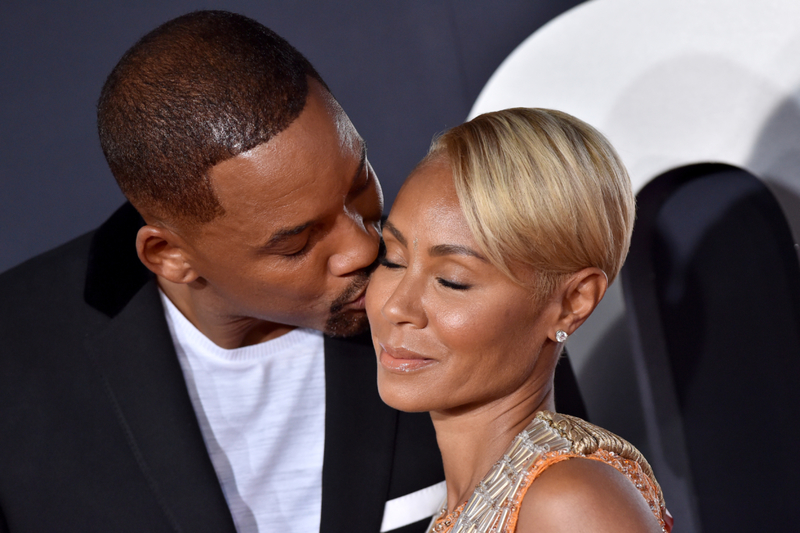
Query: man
[167, 372]
[260, 221]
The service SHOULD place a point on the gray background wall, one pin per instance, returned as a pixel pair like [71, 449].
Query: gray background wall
[406, 70]
[402, 70]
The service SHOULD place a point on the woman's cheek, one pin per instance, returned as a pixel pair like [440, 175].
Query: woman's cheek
[460, 320]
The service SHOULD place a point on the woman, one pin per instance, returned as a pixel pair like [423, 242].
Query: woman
[499, 245]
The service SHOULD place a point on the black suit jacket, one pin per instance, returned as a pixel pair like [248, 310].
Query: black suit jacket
[97, 431]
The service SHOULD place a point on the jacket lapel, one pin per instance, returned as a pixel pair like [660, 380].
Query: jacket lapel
[139, 370]
[143, 380]
[359, 439]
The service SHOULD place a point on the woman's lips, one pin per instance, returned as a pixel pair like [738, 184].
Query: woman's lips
[402, 360]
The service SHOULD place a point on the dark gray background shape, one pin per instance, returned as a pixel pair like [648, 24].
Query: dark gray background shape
[402, 71]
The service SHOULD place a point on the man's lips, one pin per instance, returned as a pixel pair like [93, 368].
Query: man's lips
[358, 303]
[402, 360]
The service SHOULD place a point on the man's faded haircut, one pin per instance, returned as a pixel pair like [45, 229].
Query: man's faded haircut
[197, 90]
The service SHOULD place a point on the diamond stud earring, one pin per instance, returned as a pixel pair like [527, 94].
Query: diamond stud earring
[561, 335]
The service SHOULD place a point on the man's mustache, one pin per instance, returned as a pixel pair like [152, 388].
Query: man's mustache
[361, 281]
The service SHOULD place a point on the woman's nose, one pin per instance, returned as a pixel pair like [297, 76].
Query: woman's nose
[405, 305]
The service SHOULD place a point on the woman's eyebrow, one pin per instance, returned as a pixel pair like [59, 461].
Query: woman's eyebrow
[457, 249]
[438, 250]
[396, 232]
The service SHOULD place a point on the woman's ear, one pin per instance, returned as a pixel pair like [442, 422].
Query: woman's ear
[164, 253]
[581, 293]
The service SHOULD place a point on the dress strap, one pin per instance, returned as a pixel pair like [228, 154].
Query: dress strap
[587, 438]
[631, 469]
[549, 439]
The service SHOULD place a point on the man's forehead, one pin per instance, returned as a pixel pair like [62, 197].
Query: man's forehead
[323, 110]
[268, 201]
[321, 138]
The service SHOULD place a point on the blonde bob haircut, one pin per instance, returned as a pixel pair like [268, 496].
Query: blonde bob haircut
[540, 190]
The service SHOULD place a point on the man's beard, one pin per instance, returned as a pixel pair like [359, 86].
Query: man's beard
[347, 322]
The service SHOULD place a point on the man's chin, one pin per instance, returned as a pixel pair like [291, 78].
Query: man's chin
[346, 323]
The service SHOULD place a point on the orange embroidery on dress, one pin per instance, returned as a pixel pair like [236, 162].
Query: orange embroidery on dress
[630, 469]
[445, 521]
[550, 438]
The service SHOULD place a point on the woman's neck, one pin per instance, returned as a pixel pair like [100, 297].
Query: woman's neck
[472, 440]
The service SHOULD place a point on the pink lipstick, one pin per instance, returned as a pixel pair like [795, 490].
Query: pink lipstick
[402, 360]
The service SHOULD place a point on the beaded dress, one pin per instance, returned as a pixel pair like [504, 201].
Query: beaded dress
[548, 439]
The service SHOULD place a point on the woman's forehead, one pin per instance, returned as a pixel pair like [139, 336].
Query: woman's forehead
[427, 209]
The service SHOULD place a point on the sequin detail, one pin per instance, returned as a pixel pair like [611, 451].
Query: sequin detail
[494, 505]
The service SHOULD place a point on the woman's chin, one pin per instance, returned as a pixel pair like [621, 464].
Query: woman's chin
[403, 397]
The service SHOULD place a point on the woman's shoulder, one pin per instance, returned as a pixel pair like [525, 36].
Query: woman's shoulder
[601, 483]
[562, 473]
[584, 495]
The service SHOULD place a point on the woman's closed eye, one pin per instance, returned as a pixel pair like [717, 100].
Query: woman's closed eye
[384, 262]
[453, 285]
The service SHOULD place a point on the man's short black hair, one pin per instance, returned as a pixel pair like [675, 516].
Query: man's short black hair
[197, 90]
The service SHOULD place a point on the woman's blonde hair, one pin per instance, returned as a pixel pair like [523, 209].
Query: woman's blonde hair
[543, 190]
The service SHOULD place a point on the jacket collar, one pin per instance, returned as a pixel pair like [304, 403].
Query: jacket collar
[144, 382]
[115, 274]
[140, 372]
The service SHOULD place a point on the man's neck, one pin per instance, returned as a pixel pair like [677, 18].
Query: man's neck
[224, 331]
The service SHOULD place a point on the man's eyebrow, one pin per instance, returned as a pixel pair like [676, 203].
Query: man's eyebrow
[451, 249]
[396, 232]
[281, 235]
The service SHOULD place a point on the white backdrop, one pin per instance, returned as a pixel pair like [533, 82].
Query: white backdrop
[670, 83]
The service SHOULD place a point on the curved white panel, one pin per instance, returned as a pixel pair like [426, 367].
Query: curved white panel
[671, 83]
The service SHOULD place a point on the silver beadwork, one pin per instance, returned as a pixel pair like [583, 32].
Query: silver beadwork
[490, 506]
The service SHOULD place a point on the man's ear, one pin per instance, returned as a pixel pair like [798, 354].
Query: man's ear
[165, 254]
[580, 294]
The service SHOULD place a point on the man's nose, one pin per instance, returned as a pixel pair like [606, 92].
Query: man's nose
[357, 246]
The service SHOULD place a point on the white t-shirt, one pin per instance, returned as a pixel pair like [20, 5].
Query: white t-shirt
[261, 409]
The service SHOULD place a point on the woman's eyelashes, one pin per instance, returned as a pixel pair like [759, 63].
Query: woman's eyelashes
[382, 261]
[387, 263]
[452, 284]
